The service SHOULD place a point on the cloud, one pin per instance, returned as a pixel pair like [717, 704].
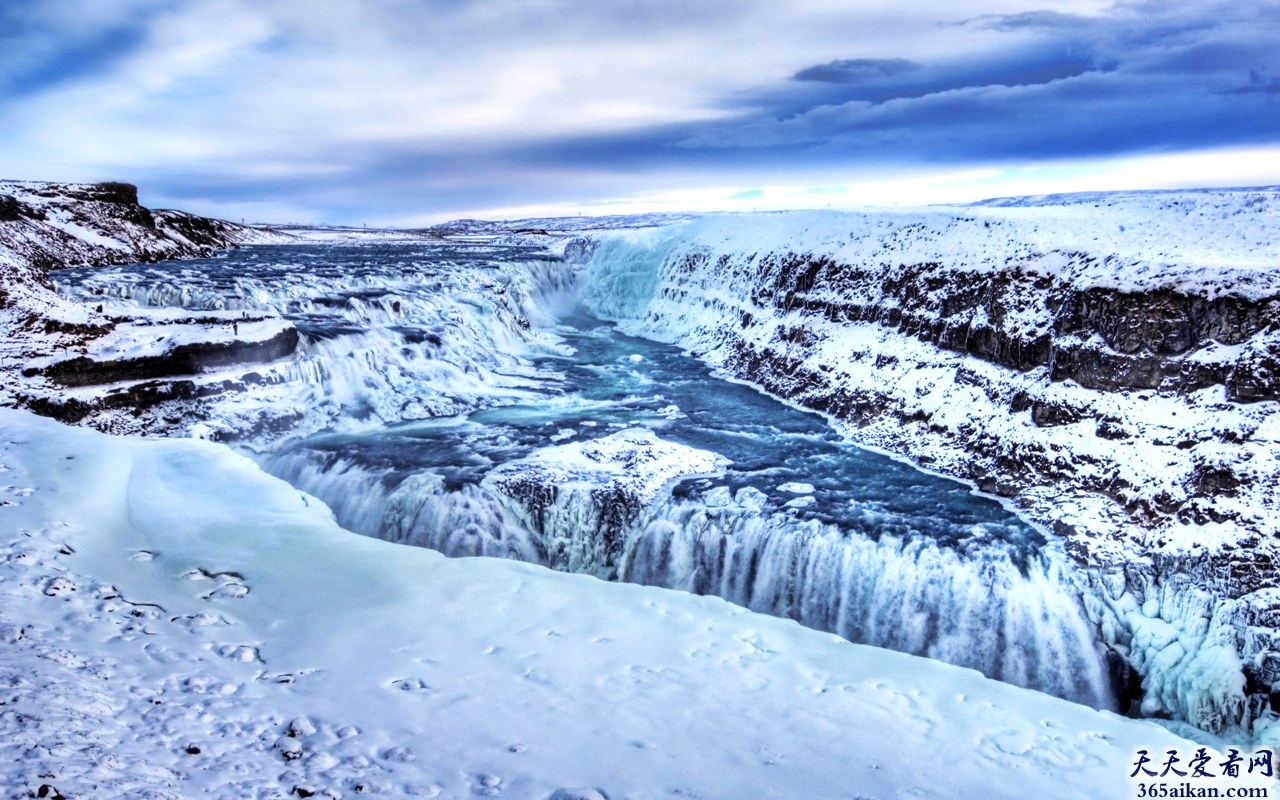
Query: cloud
[1134, 79]
[42, 45]
[334, 110]
[856, 70]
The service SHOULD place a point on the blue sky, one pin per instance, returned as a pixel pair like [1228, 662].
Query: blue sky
[414, 111]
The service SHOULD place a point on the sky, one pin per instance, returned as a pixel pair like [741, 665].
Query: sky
[407, 112]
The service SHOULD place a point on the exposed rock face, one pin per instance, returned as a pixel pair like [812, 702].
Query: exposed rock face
[1018, 318]
[188, 358]
[1121, 394]
[44, 226]
[49, 225]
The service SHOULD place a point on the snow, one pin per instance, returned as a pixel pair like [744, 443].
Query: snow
[412, 340]
[796, 487]
[169, 614]
[634, 457]
[1212, 242]
[708, 286]
[155, 335]
[176, 623]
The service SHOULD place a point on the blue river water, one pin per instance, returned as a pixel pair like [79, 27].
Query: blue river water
[800, 523]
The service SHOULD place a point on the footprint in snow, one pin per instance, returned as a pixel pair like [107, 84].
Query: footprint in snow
[202, 574]
[400, 754]
[59, 586]
[204, 619]
[487, 785]
[243, 653]
[288, 748]
[410, 685]
[232, 590]
[230, 583]
[300, 728]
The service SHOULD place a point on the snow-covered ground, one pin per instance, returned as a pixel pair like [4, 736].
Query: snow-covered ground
[174, 623]
[942, 335]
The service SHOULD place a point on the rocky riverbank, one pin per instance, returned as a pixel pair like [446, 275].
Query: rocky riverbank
[76, 362]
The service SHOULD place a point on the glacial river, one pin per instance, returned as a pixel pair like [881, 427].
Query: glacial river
[796, 523]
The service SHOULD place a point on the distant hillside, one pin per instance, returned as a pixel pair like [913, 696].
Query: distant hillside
[48, 225]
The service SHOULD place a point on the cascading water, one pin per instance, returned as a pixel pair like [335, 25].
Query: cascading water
[581, 448]
[388, 332]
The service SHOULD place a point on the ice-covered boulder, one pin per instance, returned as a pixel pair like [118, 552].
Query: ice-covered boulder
[582, 498]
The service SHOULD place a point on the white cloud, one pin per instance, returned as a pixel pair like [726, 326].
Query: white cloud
[326, 92]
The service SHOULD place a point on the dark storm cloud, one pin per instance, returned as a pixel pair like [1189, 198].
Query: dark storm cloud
[39, 51]
[856, 70]
[879, 81]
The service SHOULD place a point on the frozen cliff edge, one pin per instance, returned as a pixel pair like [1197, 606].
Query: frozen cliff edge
[70, 360]
[1110, 363]
[49, 225]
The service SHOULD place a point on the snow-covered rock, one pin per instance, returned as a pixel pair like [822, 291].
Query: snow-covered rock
[62, 224]
[583, 498]
[77, 361]
[1106, 362]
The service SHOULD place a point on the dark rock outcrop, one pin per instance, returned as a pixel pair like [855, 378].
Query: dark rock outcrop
[124, 231]
[1100, 338]
[44, 226]
[185, 359]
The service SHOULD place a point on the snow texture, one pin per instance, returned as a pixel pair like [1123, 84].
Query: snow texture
[1049, 350]
[174, 623]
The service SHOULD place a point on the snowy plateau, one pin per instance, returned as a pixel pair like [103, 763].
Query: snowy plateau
[197, 414]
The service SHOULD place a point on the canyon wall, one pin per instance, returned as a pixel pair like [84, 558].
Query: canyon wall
[1109, 364]
[53, 347]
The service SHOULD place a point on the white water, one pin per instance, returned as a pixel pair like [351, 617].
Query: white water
[878, 553]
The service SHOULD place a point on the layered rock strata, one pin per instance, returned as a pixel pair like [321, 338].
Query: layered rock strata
[77, 363]
[1110, 365]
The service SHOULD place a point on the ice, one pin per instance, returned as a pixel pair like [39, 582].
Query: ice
[417, 332]
[731, 290]
[539, 683]
[796, 487]
[426, 343]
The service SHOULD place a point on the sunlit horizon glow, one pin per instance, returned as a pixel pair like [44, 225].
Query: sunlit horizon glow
[405, 112]
[1219, 169]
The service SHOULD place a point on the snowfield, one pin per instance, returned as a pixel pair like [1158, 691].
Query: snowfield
[175, 623]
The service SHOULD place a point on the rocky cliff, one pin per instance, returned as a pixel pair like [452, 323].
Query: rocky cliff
[1110, 364]
[51, 344]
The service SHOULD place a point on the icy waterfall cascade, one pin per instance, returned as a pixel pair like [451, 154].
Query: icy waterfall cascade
[403, 349]
[387, 333]
[1017, 622]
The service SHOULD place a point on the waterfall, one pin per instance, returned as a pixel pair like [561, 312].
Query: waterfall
[1021, 624]
[391, 335]
[1014, 619]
